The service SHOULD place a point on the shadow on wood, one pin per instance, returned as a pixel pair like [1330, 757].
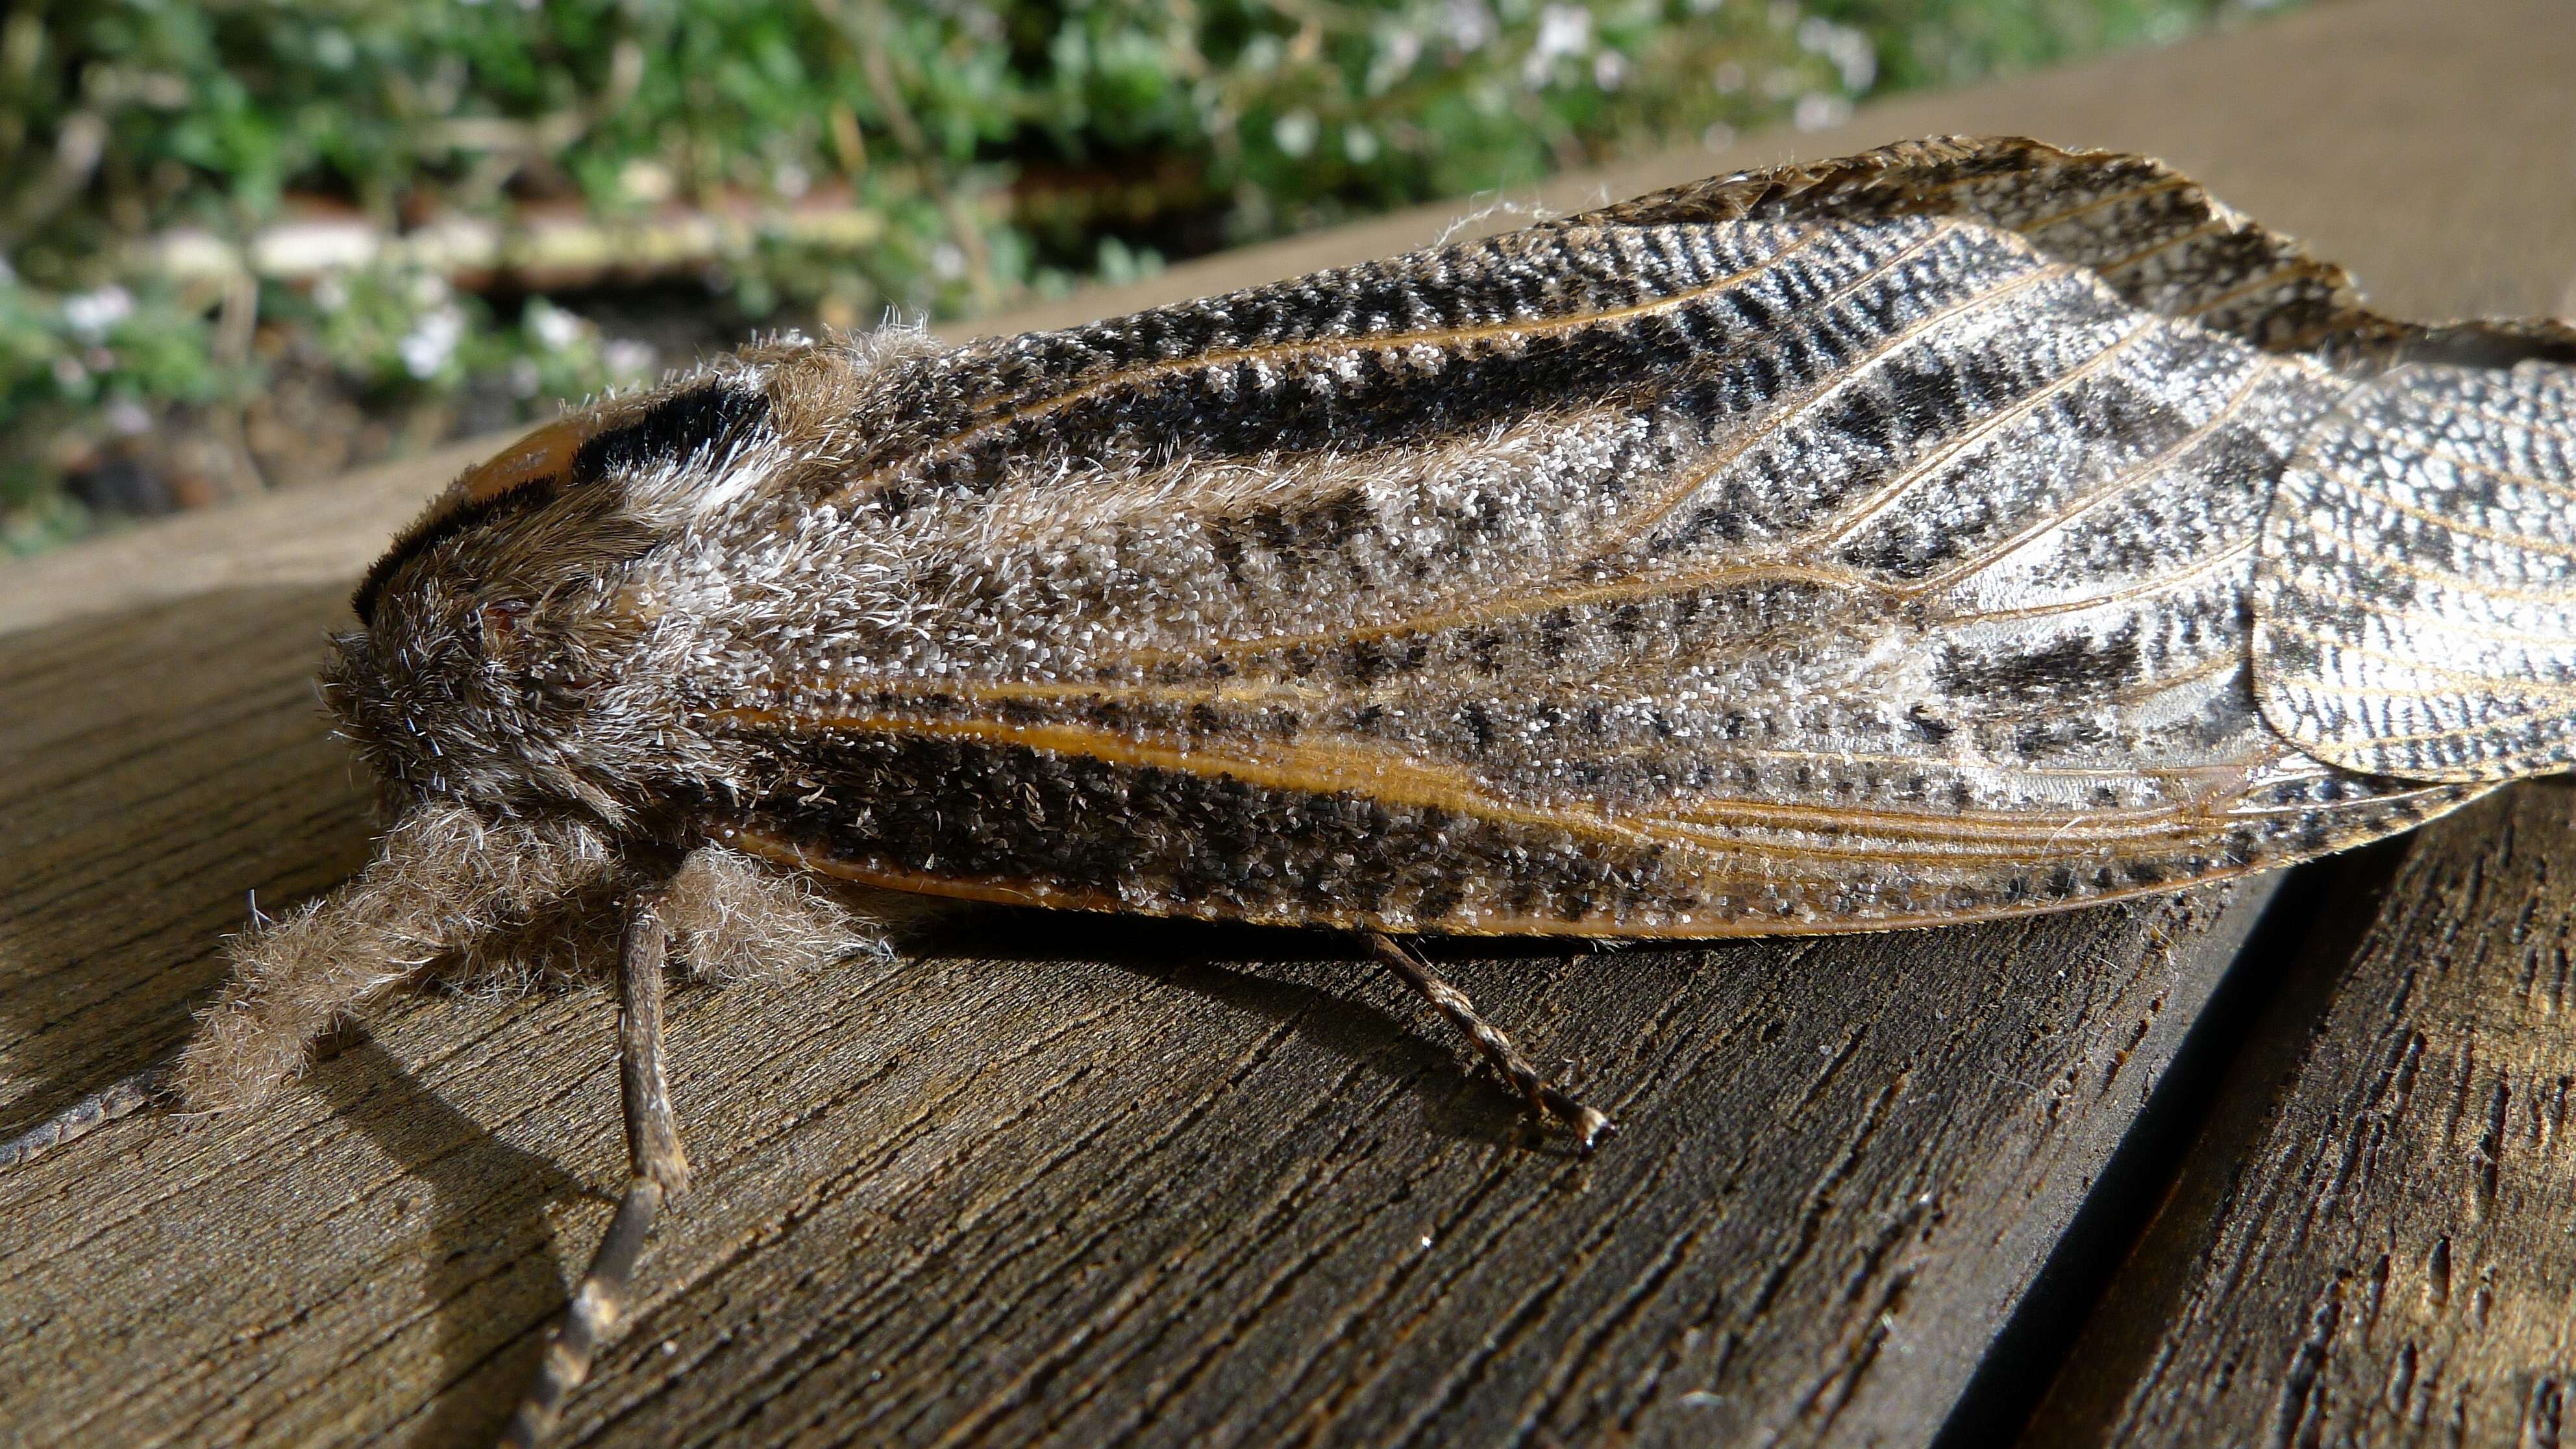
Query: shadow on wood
[2370, 1245]
[170, 763]
[470, 1235]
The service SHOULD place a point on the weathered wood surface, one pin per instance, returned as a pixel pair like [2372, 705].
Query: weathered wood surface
[2375, 1241]
[1093, 1180]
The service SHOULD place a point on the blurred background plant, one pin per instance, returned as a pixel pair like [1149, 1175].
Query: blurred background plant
[246, 244]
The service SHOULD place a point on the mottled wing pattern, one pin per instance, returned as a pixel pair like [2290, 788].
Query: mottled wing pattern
[2149, 233]
[1667, 572]
[2417, 600]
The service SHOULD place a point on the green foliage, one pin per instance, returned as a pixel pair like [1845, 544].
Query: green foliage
[988, 146]
[1950, 42]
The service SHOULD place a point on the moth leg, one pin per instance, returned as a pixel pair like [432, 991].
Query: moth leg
[155, 1083]
[657, 1169]
[443, 879]
[1590, 1126]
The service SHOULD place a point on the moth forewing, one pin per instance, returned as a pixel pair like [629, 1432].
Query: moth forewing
[1758, 576]
[1961, 529]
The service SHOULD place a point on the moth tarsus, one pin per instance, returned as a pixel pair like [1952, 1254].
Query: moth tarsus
[1960, 530]
[1545, 1100]
[152, 1086]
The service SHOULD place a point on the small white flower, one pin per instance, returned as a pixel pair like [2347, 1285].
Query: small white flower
[129, 417]
[524, 380]
[1296, 132]
[90, 314]
[1471, 24]
[1360, 144]
[1563, 30]
[1398, 50]
[1609, 68]
[1845, 46]
[555, 328]
[427, 348]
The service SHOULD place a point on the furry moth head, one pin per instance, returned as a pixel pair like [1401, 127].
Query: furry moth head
[501, 655]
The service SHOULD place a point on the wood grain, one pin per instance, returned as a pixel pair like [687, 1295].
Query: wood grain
[1081, 1181]
[2373, 1245]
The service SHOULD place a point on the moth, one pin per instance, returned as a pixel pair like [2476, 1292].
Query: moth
[1958, 530]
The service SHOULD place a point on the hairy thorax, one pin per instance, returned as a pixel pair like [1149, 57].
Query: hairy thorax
[516, 653]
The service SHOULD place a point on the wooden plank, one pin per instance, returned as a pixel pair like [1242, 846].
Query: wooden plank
[1098, 1180]
[2372, 1245]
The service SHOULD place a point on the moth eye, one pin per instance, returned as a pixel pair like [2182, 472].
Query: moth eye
[501, 620]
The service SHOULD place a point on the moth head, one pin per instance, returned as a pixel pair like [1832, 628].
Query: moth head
[498, 658]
